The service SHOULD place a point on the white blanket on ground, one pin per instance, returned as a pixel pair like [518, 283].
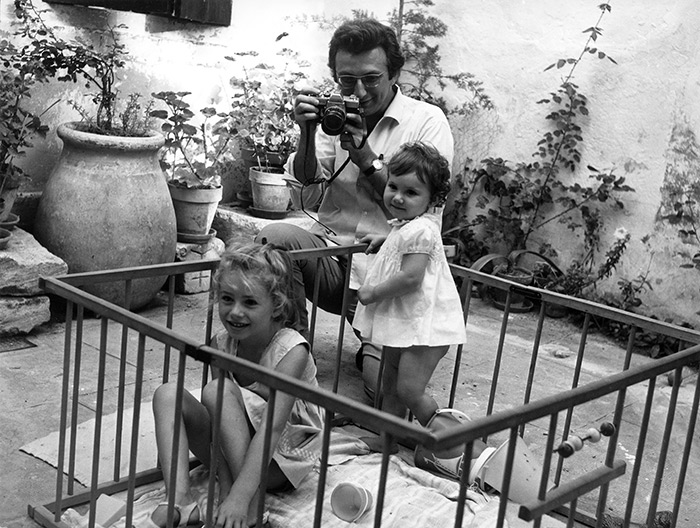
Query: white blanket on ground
[413, 497]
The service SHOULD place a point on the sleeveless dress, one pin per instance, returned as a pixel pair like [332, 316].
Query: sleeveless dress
[292, 453]
[432, 314]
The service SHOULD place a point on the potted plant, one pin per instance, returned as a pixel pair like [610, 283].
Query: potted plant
[193, 158]
[105, 204]
[262, 114]
[21, 71]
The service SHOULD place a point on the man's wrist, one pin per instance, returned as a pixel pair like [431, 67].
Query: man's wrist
[377, 165]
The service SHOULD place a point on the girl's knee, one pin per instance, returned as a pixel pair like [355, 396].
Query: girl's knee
[210, 391]
[409, 393]
[164, 396]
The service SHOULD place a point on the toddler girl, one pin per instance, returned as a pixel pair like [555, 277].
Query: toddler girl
[409, 303]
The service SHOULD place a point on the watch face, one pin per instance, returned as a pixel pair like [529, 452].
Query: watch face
[378, 164]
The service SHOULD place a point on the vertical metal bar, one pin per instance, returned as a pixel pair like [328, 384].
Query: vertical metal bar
[177, 432]
[210, 307]
[169, 324]
[341, 326]
[135, 421]
[574, 383]
[612, 442]
[121, 386]
[692, 421]
[215, 448]
[213, 301]
[570, 522]
[639, 454]
[314, 307]
[387, 441]
[464, 484]
[325, 452]
[499, 357]
[466, 292]
[99, 409]
[507, 473]
[75, 397]
[663, 450]
[267, 455]
[533, 360]
[64, 411]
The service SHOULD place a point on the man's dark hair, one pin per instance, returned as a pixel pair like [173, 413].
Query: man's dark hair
[362, 35]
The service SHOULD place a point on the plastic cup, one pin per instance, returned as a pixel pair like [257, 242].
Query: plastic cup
[350, 502]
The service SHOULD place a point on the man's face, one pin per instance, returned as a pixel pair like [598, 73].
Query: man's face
[373, 66]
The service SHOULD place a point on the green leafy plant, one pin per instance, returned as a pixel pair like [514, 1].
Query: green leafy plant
[520, 198]
[422, 76]
[80, 61]
[22, 69]
[262, 107]
[194, 154]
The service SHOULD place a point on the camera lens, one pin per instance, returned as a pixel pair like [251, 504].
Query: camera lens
[333, 120]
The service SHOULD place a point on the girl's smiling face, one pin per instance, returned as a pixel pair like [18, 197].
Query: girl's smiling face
[406, 197]
[246, 308]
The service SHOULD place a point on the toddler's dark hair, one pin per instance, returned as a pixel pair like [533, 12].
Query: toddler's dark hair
[431, 167]
[266, 265]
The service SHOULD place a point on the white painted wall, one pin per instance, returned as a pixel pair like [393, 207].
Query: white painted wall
[507, 44]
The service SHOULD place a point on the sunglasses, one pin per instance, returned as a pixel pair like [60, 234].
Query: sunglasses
[368, 81]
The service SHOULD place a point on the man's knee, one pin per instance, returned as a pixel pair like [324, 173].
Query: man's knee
[280, 234]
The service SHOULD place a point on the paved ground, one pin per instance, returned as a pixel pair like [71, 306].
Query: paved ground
[30, 380]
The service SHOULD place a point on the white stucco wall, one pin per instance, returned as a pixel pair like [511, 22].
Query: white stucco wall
[635, 105]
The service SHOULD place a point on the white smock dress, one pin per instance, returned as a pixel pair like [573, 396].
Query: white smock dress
[429, 316]
[294, 453]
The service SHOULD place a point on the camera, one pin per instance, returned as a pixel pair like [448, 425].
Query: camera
[333, 110]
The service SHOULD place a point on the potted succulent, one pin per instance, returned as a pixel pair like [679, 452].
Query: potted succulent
[106, 190]
[193, 158]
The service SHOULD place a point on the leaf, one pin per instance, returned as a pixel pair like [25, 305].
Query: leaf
[561, 63]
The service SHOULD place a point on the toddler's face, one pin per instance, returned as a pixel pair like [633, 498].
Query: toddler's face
[245, 307]
[406, 196]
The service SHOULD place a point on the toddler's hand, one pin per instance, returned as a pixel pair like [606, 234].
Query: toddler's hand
[365, 294]
[374, 242]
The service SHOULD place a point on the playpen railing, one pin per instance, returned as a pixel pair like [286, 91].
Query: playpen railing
[511, 421]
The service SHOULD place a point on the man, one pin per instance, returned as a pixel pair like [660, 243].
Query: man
[348, 169]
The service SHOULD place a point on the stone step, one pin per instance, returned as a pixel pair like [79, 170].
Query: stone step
[23, 306]
[232, 220]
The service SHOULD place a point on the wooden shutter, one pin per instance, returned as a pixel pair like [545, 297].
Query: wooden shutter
[216, 12]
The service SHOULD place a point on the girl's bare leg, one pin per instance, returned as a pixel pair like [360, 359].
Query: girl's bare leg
[235, 435]
[415, 368]
[195, 436]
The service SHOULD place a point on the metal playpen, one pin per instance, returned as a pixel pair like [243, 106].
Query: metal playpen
[599, 485]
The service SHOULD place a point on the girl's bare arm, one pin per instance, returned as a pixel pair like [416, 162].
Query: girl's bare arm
[407, 280]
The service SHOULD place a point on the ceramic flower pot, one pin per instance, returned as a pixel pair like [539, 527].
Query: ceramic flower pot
[270, 192]
[194, 212]
[5, 236]
[106, 206]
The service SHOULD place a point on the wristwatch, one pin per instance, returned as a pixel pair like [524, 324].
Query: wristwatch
[376, 166]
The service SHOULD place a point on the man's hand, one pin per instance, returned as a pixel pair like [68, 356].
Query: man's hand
[305, 106]
[352, 138]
